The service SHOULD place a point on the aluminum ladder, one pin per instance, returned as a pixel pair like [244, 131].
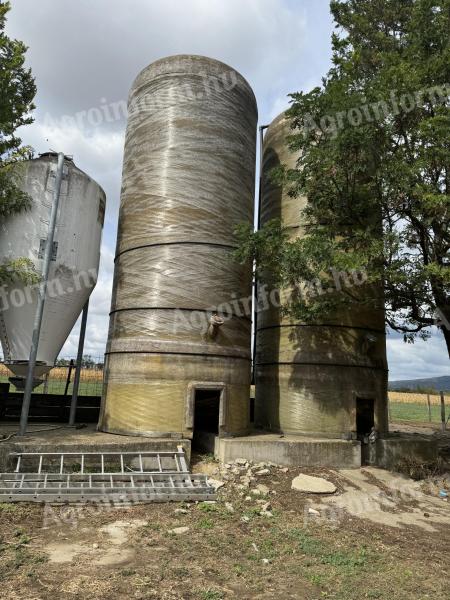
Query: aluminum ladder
[119, 477]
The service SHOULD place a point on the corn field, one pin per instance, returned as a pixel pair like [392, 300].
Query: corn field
[413, 398]
[57, 380]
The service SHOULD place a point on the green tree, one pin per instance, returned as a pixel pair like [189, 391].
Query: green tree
[17, 91]
[374, 165]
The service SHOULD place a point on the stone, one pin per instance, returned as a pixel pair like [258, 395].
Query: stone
[313, 511]
[229, 507]
[256, 492]
[265, 561]
[245, 519]
[180, 511]
[215, 483]
[262, 472]
[241, 461]
[312, 485]
[262, 488]
[284, 469]
[179, 530]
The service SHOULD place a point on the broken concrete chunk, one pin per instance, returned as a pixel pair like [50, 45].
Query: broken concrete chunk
[312, 485]
[215, 483]
[313, 511]
[179, 530]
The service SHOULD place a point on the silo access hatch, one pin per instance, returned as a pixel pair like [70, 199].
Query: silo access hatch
[206, 419]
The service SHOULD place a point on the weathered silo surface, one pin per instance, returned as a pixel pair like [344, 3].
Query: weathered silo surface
[329, 378]
[73, 267]
[188, 180]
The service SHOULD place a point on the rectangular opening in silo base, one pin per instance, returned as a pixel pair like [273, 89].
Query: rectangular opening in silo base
[365, 420]
[206, 419]
[365, 416]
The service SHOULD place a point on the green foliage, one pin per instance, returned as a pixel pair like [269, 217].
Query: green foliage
[373, 145]
[16, 102]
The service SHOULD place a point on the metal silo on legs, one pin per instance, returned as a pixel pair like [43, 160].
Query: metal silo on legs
[73, 266]
[325, 379]
[178, 355]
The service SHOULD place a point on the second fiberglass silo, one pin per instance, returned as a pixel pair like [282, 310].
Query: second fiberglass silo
[178, 355]
[326, 378]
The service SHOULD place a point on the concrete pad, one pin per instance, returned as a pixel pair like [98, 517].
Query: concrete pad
[291, 450]
[388, 452]
[386, 499]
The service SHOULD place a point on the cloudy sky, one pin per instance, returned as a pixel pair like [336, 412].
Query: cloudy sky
[85, 54]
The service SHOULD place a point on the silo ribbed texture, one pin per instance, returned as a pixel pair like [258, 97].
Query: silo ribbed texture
[188, 180]
[309, 376]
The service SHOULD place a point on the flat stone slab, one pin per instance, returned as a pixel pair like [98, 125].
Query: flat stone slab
[312, 485]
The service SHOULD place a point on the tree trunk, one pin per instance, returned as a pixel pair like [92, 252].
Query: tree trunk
[446, 331]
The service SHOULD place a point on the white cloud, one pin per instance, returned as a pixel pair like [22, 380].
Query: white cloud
[419, 360]
[99, 307]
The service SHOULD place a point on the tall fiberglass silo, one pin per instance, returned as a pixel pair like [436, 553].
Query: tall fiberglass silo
[74, 263]
[178, 355]
[328, 378]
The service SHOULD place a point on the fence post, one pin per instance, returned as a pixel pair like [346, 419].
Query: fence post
[429, 407]
[69, 377]
[442, 411]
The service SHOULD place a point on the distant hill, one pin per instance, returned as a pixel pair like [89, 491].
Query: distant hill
[437, 383]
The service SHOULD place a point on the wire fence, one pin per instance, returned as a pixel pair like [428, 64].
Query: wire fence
[417, 407]
[60, 379]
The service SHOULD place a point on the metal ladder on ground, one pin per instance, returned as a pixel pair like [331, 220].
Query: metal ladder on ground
[122, 477]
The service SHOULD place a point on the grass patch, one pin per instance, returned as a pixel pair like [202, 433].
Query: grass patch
[211, 595]
[403, 411]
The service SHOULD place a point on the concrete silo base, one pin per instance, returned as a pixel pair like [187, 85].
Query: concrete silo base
[293, 451]
[324, 452]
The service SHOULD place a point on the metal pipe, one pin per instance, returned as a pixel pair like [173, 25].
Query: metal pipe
[41, 297]
[76, 383]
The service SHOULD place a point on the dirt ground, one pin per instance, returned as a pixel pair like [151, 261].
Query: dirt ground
[378, 536]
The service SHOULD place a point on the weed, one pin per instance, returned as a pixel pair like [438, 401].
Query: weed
[206, 524]
[210, 594]
[205, 507]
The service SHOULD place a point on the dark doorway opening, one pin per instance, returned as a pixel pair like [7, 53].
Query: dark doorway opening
[365, 421]
[206, 419]
[365, 416]
[252, 411]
